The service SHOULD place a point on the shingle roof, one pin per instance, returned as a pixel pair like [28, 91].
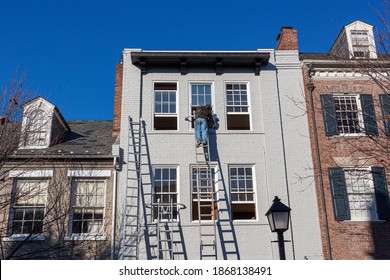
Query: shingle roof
[87, 138]
[315, 56]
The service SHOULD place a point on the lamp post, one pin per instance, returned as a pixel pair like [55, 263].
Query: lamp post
[278, 218]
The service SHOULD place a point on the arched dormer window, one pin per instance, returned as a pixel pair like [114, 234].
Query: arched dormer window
[36, 129]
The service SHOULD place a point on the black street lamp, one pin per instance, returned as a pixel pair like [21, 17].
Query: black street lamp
[278, 218]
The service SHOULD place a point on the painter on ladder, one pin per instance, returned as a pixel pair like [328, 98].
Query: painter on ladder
[203, 116]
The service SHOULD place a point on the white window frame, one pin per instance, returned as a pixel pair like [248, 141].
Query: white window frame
[359, 114]
[373, 214]
[176, 114]
[177, 193]
[17, 179]
[254, 192]
[249, 113]
[212, 93]
[87, 175]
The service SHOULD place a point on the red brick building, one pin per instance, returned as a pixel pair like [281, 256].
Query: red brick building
[348, 113]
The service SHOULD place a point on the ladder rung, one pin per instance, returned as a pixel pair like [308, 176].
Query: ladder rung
[208, 245]
[207, 234]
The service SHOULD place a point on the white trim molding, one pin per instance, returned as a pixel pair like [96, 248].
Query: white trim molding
[22, 173]
[89, 173]
[85, 237]
[24, 237]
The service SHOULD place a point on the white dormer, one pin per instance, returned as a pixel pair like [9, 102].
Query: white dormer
[42, 124]
[356, 40]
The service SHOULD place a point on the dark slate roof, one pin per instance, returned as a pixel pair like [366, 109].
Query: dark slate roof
[325, 56]
[86, 139]
[315, 56]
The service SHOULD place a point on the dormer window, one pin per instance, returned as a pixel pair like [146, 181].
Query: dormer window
[42, 125]
[36, 129]
[360, 44]
[356, 40]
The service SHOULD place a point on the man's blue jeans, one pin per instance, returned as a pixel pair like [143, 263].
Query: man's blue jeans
[201, 130]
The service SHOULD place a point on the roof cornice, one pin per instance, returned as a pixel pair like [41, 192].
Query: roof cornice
[184, 59]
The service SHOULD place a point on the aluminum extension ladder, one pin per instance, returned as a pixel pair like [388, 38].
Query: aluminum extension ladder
[136, 162]
[207, 208]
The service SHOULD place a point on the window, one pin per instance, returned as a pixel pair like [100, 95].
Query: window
[348, 114]
[201, 94]
[88, 203]
[242, 192]
[165, 111]
[360, 44]
[29, 206]
[359, 194]
[237, 106]
[35, 129]
[203, 181]
[165, 193]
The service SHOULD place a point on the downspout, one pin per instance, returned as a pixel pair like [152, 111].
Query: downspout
[310, 87]
[113, 215]
[284, 155]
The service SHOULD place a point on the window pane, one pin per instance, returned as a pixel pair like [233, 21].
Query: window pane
[39, 214]
[17, 227]
[18, 214]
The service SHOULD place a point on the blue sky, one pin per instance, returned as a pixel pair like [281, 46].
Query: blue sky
[68, 48]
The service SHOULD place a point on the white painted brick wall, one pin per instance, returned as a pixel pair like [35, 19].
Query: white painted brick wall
[261, 147]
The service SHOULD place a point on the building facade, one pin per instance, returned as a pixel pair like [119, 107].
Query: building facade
[348, 110]
[259, 150]
[56, 185]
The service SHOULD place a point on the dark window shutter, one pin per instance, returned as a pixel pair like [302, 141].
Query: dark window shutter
[370, 126]
[385, 105]
[381, 193]
[339, 194]
[329, 114]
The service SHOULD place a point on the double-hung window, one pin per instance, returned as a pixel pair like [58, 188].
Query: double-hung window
[242, 192]
[237, 106]
[360, 44]
[29, 206]
[88, 204]
[203, 186]
[359, 194]
[165, 106]
[165, 193]
[348, 114]
[35, 129]
[201, 94]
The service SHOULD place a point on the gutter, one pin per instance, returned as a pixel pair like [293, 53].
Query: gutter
[113, 215]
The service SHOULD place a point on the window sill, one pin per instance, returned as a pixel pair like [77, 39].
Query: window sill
[23, 237]
[351, 135]
[244, 221]
[86, 237]
[363, 221]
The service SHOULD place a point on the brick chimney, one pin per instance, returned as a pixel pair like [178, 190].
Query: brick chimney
[117, 99]
[287, 39]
